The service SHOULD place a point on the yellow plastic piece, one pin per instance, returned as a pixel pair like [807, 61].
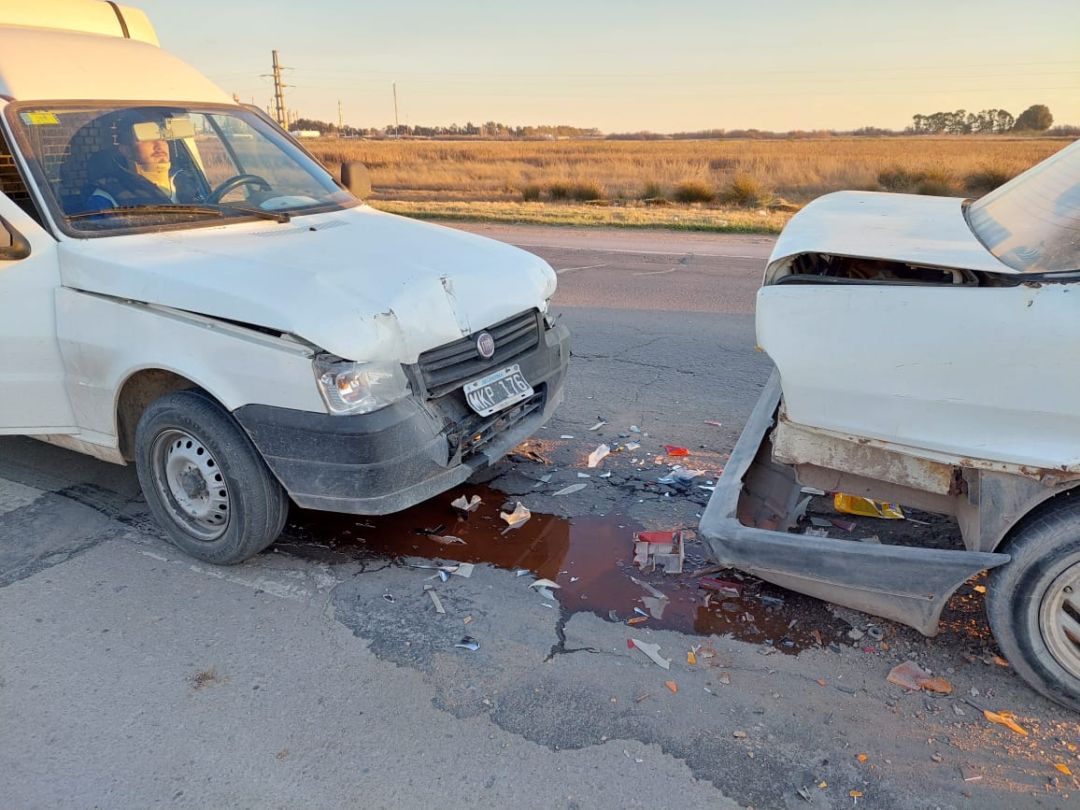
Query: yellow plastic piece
[866, 507]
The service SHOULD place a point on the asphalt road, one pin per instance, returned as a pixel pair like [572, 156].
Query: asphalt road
[320, 675]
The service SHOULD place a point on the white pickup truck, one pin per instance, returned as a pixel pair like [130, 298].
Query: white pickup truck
[184, 287]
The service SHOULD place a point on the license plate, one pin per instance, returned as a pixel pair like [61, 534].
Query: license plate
[497, 390]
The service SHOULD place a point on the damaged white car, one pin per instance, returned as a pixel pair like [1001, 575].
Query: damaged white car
[926, 353]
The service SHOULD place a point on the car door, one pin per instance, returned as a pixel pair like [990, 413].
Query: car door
[33, 397]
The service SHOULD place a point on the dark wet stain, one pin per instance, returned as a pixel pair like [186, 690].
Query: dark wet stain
[591, 558]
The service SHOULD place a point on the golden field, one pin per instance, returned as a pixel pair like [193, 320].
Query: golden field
[716, 183]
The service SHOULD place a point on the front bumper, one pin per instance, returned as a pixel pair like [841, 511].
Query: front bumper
[746, 526]
[389, 460]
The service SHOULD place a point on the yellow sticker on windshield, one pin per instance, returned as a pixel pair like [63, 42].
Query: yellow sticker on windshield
[39, 118]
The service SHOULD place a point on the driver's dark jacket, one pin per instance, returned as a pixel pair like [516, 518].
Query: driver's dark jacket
[117, 185]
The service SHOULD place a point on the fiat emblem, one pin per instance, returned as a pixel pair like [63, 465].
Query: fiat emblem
[485, 345]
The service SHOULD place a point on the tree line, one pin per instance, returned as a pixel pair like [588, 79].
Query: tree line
[1036, 118]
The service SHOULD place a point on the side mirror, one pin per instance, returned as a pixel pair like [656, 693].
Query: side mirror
[355, 177]
[13, 245]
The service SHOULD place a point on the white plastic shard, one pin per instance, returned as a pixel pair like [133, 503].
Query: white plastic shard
[570, 490]
[435, 599]
[653, 652]
[598, 455]
[518, 517]
[466, 504]
[544, 583]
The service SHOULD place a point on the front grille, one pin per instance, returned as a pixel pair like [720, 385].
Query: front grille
[474, 432]
[454, 364]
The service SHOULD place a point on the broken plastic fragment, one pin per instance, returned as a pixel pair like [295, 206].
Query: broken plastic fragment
[522, 572]
[632, 445]
[655, 605]
[544, 583]
[466, 504]
[652, 591]
[583, 475]
[674, 687]
[1005, 719]
[570, 490]
[713, 423]
[653, 653]
[866, 507]
[564, 436]
[637, 619]
[606, 474]
[691, 658]
[1063, 768]
[447, 539]
[546, 593]
[463, 570]
[599, 424]
[674, 450]
[519, 516]
[468, 643]
[435, 599]
[598, 455]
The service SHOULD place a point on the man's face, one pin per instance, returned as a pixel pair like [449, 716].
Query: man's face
[149, 153]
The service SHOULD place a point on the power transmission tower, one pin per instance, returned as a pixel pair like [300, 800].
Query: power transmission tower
[281, 114]
[397, 126]
[340, 120]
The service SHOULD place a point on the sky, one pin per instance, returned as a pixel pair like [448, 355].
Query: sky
[660, 65]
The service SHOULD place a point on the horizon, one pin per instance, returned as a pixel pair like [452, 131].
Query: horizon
[628, 68]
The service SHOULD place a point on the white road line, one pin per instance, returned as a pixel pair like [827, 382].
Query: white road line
[574, 269]
[661, 272]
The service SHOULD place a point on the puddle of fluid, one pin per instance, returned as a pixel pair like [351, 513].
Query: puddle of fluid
[591, 558]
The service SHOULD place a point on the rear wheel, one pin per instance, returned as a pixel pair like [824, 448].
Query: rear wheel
[205, 482]
[1033, 602]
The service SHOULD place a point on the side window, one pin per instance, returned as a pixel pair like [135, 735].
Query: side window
[11, 182]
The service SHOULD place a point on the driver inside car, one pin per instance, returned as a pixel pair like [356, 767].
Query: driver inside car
[138, 170]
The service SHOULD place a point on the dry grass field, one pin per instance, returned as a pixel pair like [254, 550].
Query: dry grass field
[711, 179]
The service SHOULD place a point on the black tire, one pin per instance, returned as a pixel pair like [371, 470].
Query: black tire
[185, 445]
[1022, 595]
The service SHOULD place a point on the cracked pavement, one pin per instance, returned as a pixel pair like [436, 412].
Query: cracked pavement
[319, 674]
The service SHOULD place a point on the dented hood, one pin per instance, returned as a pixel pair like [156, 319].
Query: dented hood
[910, 228]
[357, 283]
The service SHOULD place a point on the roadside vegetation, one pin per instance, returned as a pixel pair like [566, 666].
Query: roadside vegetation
[732, 184]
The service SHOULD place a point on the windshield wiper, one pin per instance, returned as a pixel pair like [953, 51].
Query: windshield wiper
[277, 216]
[149, 210]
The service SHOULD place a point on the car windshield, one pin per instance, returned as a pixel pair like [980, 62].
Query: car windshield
[119, 168]
[1032, 223]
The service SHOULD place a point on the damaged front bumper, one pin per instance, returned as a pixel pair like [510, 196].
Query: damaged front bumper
[393, 458]
[746, 526]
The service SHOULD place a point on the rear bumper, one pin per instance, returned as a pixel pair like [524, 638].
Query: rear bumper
[386, 461]
[746, 523]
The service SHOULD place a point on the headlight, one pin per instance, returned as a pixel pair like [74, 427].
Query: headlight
[352, 388]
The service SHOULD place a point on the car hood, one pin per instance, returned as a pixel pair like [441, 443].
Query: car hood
[357, 283]
[910, 228]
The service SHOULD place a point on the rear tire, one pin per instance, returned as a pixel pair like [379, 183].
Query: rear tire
[1033, 602]
[204, 481]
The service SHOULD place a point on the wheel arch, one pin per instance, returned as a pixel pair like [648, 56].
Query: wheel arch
[139, 389]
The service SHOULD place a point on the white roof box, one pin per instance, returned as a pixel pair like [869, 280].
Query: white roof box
[84, 16]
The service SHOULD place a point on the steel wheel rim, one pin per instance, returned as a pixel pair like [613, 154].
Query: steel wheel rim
[1059, 619]
[190, 480]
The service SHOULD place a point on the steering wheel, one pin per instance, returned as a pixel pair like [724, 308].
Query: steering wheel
[235, 182]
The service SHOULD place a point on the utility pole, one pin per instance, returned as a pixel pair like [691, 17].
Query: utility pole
[397, 126]
[280, 113]
[340, 120]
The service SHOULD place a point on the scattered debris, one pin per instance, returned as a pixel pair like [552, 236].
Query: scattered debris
[599, 424]
[673, 450]
[598, 455]
[862, 757]
[570, 490]
[606, 474]
[846, 525]
[652, 651]
[663, 550]
[803, 793]
[866, 507]
[721, 586]
[642, 697]
[447, 539]
[674, 687]
[635, 429]
[565, 436]
[637, 620]
[911, 676]
[969, 774]
[521, 572]
[543, 479]
[725, 678]
[713, 423]
[468, 643]
[1063, 768]
[467, 620]
[463, 570]
[517, 518]
[814, 532]
[691, 657]
[739, 735]
[466, 504]
[435, 599]
[544, 586]
[389, 597]
[632, 445]
[655, 605]
[871, 539]
[1007, 719]
[583, 475]
[875, 632]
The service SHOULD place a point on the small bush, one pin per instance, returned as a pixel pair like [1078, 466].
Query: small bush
[723, 164]
[586, 192]
[936, 184]
[985, 181]
[746, 191]
[560, 191]
[899, 179]
[694, 191]
[652, 191]
[531, 193]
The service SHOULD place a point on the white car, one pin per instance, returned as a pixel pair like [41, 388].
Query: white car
[183, 287]
[926, 353]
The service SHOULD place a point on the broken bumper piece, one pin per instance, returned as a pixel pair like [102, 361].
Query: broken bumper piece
[393, 458]
[746, 526]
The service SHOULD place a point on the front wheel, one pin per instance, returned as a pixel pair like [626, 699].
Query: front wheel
[204, 481]
[1033, 602]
